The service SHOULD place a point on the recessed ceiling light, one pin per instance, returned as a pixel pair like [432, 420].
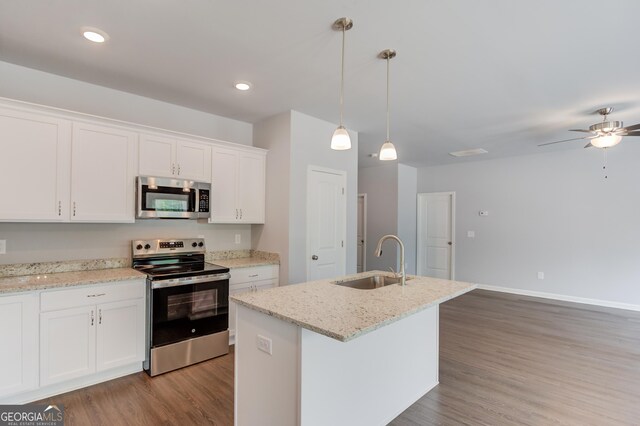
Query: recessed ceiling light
[469, 152]
[242, 85]
[95, 35]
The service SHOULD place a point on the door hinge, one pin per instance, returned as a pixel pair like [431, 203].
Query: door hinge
[342, 191]
[342, 243]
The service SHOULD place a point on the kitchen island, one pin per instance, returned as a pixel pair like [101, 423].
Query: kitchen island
[320, 353]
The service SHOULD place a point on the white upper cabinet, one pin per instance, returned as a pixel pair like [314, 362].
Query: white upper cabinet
[34, 167]
[237, 185]
[169, 157]
[103, 170]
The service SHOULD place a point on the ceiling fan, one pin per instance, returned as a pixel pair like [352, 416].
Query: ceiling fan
[605, 134]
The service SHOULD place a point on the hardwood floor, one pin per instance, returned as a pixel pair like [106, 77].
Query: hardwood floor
[504, 360]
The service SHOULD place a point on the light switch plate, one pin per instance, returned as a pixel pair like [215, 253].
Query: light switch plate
[541, 275]
[238, 238]
[471, 234]
[3, 246]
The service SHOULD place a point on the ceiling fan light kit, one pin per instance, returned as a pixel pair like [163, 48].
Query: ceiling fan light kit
[388, 151]
[340, 140]
[604, 134]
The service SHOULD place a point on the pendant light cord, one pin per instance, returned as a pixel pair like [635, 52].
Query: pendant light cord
[342, 76]
[387, 99]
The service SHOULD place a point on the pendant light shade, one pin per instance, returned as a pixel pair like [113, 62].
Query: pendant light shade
[340, 140]
[388, 151]
[606, 141]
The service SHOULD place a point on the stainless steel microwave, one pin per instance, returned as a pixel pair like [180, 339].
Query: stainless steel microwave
[167, 198]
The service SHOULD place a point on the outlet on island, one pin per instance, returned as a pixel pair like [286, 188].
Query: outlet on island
[238, 238]
[264, 344]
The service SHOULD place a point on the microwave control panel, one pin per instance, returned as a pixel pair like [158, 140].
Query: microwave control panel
[204, 200]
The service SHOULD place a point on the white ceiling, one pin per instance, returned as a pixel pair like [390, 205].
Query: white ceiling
[503, 75]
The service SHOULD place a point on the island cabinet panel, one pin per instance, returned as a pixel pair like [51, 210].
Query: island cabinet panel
[103, 170]
[368, 380]
[19, 340]
[34, 167]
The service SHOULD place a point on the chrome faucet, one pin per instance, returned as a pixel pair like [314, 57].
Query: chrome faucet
[378, 253]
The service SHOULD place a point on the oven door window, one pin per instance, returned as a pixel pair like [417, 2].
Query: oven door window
[189, 311]
[165, 199]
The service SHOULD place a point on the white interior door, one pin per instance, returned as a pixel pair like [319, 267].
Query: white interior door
[361, 233]
[326, 223]
[436, 213]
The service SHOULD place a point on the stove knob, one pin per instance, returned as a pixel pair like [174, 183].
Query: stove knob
[200, 244]
[147, 246]
[139, 247]
[194, 244]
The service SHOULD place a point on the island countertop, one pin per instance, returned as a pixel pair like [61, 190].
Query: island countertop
[345, 313]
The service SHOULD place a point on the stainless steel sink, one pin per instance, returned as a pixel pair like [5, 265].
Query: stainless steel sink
[369, 283]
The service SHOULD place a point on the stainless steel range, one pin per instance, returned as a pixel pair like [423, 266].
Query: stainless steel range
[187, 303]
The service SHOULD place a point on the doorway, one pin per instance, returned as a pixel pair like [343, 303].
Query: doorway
[326, 223]
[362, 233]
[436, 235]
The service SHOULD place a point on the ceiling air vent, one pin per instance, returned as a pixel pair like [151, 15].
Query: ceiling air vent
[469, 152]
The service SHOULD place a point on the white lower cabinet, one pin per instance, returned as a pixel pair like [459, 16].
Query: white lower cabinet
[249, 279]
[80, 337]
[19, 340]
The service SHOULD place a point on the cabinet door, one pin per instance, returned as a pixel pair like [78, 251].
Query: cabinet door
[224, 186]
[102, 174]
[251, 187]
[19, 339]
[67, 344]
[120, 333]
[157, 156]
[34, 167]
[193, 161]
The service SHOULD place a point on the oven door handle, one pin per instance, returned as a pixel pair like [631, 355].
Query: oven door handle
[175, 282]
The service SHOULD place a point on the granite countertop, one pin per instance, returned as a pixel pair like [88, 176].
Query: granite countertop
[245, 262]
[345, 313]
[14, 284]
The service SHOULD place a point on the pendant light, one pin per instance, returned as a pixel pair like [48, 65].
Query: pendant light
[340, 139]
[388, 151]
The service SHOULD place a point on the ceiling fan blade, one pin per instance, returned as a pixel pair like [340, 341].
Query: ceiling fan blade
[632, 134]
[634, 127]
[566, 140]
[588, 145]
[580, 130]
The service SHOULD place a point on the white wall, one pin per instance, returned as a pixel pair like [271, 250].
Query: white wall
[407, 211]
[49, 242]
[274, 134]
[29, 85]
[380, 183]
[310, 145]
[554, 213]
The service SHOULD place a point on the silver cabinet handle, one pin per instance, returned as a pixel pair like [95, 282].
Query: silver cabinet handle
[240, 213]
[99, 316]
[59, 208]
[253, 275]
[178, 169]
[96, 295]
[74, 208]
[173, 169]
[92, 317]
[314, 257]
[236, 213]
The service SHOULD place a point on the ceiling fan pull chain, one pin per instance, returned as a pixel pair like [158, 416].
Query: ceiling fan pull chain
[604, 165]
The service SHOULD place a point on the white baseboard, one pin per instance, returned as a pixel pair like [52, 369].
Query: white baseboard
[554, 296]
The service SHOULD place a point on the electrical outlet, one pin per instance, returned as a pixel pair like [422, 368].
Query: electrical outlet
[541, 275]
[3, 246]
[238, 238]
[471, 234]
[264, 344]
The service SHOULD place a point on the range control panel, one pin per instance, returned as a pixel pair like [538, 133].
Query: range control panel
[141, 248]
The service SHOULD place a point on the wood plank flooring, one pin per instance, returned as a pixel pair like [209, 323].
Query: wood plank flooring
[504, 360]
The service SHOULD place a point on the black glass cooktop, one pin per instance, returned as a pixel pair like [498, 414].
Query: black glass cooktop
[181, 270]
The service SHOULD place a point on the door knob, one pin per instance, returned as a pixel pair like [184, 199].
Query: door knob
[450, 243]
[314, 257]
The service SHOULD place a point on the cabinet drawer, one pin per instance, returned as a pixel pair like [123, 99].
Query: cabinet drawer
[91, 295]
[259, 285]
[257, 273]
